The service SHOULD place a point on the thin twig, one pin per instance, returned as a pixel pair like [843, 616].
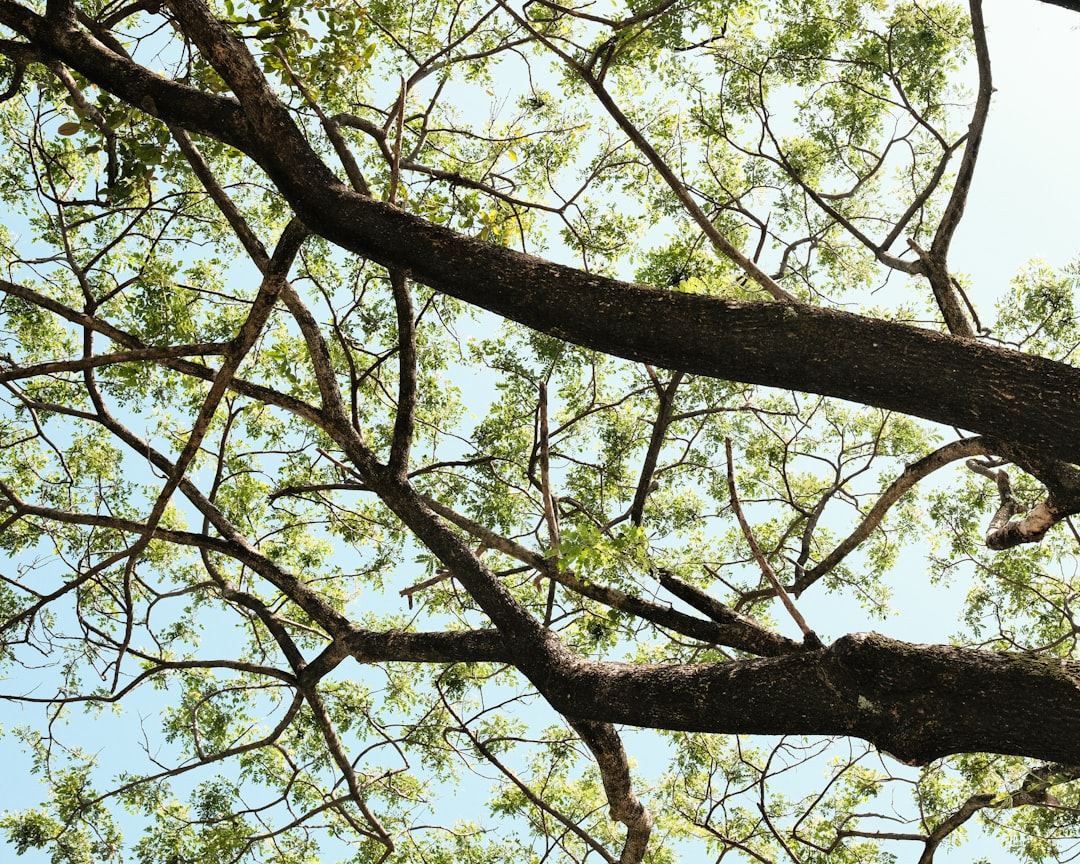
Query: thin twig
[330, 126]
[808, 635]
[549, 498]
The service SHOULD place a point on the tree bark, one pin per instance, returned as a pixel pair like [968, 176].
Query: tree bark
[916, 702]
[1071, 5]
[1013, 397]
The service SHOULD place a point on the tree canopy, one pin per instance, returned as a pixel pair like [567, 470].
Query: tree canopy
[461, 430]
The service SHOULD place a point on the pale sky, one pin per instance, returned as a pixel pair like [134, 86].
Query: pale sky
[1025, 201]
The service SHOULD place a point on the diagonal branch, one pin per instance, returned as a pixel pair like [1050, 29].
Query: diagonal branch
[911, 475]
[660, 165]
[536, 800]
[954, 210]
[726, 627]
[656, 443]
[793, 346]
[809, 637]
[607, 749]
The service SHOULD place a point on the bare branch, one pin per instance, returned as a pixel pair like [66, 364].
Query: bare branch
[809, 637]
[911, 475]
[1003, 531]
[607, 749]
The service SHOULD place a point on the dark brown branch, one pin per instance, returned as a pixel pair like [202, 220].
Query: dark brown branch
[330, 127]
[548, 496]
[733, 630]
[656, 443]
[165, 352]
[405, 418]
[898, 696]
[754, 638]
[945, 291]
[815, 350]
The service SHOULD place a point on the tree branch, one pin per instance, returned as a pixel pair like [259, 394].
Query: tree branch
[911, 475]
[607, 749]
[799, 347]
[810, 638]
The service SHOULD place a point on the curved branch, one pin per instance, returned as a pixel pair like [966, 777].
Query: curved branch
[1003, 531]
[1034, 790]
[954, 210]
[607, 749]
[799, 347]
[911, 475]
[536, 800]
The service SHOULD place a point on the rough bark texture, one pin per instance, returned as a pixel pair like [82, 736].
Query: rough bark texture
[1003, 394]
[917, 702]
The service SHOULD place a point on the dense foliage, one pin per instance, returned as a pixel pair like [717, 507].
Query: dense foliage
[311, 558]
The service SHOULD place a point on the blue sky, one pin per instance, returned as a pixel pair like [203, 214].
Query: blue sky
[1025, 201]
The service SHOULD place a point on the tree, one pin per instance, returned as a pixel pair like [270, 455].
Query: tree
[245, 503]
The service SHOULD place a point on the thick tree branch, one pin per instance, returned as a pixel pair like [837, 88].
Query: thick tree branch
[946, 292]
[900, 697]
[1071, 5]
[607, 749]
[815, 350]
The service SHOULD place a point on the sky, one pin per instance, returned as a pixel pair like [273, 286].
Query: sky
[1024, 204]
[1025, 200]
